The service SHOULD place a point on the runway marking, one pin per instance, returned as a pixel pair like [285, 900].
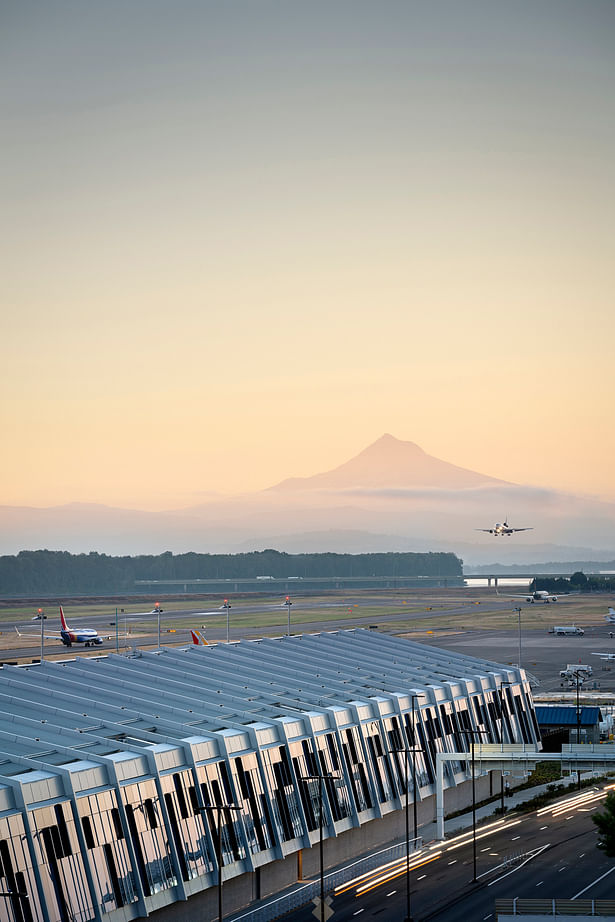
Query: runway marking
[596, 881]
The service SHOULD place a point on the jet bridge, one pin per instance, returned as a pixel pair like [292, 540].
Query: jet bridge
[520, 756]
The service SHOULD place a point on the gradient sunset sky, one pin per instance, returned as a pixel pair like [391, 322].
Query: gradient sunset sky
[242, 240]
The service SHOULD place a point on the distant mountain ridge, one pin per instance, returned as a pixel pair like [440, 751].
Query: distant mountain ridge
[392, 496]
[390, 462]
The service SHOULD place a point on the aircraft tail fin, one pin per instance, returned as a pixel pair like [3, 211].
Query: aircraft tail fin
[63, 619]
[198, 639]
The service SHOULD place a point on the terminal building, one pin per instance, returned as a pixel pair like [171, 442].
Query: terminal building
[123, 776]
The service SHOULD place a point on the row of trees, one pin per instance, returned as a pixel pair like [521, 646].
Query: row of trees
[578, 582]
[39, 573]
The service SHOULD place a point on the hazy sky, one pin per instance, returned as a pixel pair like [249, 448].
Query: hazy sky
[241, 240]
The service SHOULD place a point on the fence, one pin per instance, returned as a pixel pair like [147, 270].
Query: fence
[266, 912]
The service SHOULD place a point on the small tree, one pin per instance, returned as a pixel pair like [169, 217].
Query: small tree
[606, 826]
[579, 580]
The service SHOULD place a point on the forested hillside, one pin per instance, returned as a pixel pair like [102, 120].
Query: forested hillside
[34, 573]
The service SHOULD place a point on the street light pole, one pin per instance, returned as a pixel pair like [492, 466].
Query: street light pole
[472, 734]
[577, 676]
[218, 808]
[319, 777]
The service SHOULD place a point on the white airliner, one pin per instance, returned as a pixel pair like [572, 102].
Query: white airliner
[502, 528]
[541, 595]
[69, 636]
[605, 655]
[611, 616]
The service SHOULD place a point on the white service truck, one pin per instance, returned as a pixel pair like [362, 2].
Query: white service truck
[567, 631]
[573, 669]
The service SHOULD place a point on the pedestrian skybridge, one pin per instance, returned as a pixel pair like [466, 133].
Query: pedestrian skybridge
[575, 757]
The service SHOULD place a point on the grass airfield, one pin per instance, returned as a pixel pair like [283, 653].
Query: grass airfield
[473, 621]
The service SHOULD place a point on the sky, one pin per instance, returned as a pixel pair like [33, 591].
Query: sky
[242, 240]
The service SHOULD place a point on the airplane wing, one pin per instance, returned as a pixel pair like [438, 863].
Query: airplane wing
[605, 655]
[54, 636]
[488, 530]
[531, 528]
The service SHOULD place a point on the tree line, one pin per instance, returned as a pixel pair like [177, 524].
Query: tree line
[578, 582]
[40, 573]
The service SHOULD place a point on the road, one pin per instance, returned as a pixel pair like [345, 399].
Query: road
[543, 855]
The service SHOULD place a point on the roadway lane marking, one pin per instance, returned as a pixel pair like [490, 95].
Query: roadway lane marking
[392, 893]
[514, 838]
[487, 917]
[561, 869]
[540, 883]
[358, 911]
[582, 856]
[454, 861]
[422, 877]
[596, 881]
[543, 827]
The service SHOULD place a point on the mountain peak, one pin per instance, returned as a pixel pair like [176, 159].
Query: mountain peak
[390, 462]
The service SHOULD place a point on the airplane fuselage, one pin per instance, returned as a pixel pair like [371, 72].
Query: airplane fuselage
[85, 636]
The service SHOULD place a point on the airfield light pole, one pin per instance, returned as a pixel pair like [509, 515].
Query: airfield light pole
[41, 615]
[158, 610]
[117, 636]
[227, 606]
[288, 603]
[518, 610]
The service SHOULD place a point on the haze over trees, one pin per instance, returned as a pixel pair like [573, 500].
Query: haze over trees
[37, 573]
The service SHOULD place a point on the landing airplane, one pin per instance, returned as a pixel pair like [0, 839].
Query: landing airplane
[502, 528]
[611, 616]
[68, 636]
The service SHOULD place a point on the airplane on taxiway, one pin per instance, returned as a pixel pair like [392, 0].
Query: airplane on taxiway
[611, 616]
[69, 636]
[502, 528]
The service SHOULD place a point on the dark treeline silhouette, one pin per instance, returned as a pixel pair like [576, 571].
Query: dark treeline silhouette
[578, 582]
[36, 573]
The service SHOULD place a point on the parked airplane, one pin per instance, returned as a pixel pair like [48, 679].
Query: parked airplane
[611, 616]
[502, 528]
[69, 636]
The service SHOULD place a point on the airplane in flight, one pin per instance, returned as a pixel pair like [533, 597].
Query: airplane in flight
[502, 528]
[69, 636]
